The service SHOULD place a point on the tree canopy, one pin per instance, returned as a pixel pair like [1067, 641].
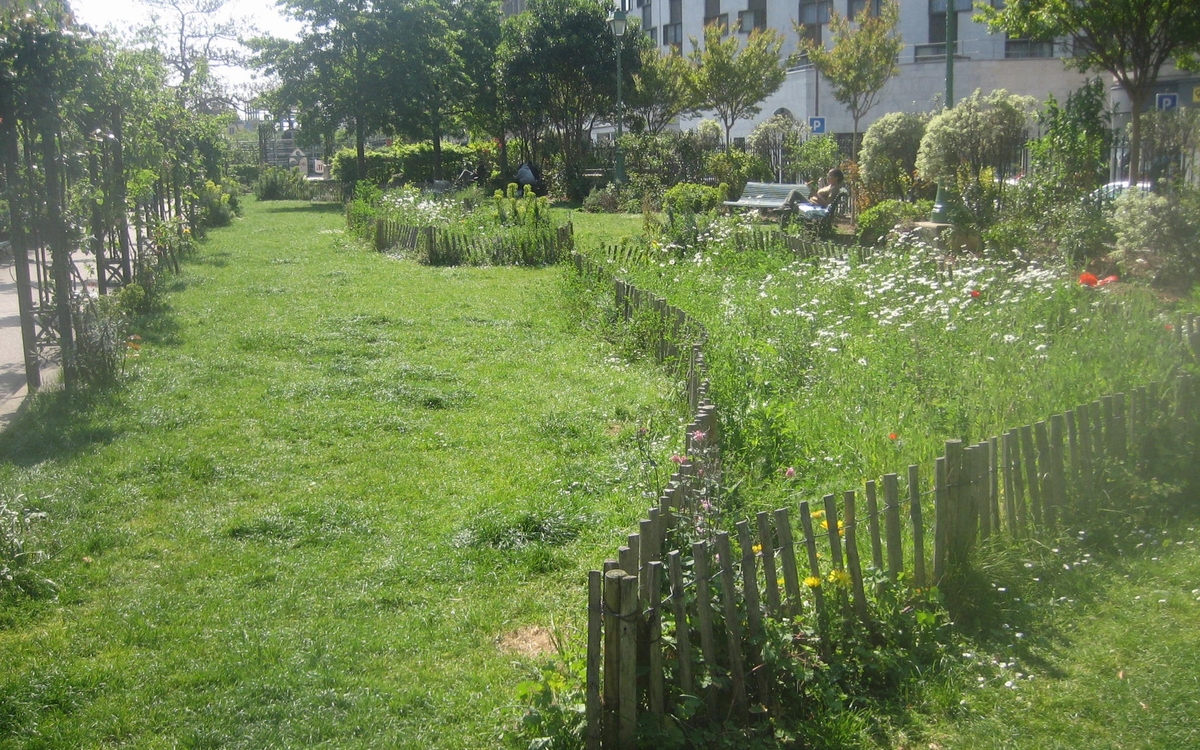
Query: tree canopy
[731, 78]
[862, 60]
[1131, 39]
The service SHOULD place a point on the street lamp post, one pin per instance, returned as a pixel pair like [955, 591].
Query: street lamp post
[616, 22]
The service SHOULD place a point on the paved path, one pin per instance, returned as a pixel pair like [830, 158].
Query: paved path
[12, 361]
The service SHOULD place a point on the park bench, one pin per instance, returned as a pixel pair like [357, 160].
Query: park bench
[769, 196]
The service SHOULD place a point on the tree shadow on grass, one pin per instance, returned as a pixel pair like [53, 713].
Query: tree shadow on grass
[308, 208]
[55, 424]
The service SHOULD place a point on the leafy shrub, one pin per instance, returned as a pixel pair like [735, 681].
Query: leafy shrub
[363, 209]
[888, 157]
[876, 222]
[18, 554]
[1156, 236]
[246, 174]
[690, 197]
[414, 161]
[101, 327]
[603, 200]
[280, 184]
[731, 168]
[218, 205]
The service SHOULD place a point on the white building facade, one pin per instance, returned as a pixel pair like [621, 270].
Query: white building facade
[983, 60]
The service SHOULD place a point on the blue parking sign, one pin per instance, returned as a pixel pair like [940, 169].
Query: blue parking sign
[817, 125]
[1166, 101]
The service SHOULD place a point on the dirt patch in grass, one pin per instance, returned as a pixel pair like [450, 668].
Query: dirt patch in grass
[530, 641]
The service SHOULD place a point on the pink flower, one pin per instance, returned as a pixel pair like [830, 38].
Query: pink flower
[1107, 280]
[790, 472]
[699, 435]
[677, 459]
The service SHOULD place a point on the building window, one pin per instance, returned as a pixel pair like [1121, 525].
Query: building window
[647, 18]
[937, 18]
[673, 34]
[749, 20]
[1019, 49]
[813, 14]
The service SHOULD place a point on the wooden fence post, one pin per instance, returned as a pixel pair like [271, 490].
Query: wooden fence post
[654, 636]
[873, 526]
[612, 656]
[683, 635]
[708, 644]
[628, 700]
[595, 654]
[753, 603]
[1045, 476]
[814, 564]
[766, 539]
[787, 554]
[733, 628]
[918, 525]
[940, 520]
[891, 502]
[852, 561]
[1029, 458]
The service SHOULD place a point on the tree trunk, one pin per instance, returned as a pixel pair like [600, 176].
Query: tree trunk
[20, 250]
[60, 252]
[1135, 136]
[120, 196]
[360, 146]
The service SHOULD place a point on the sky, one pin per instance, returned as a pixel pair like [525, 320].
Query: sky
[126, 14]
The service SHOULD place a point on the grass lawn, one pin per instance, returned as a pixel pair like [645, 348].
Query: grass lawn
[336, 495]
[1110, 659]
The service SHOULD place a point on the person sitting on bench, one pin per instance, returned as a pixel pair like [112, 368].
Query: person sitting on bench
[825, 195]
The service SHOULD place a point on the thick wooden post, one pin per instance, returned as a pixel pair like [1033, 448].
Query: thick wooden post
[918, 525]
[628, 698]
[612, 656]
[787, 555]
[733, 628]
[595, 654]
[891, 501]
[852, 561]
[873, 525]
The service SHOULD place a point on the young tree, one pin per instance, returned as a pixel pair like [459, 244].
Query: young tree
[423, 72]
[333, 72]
[557, 68]
[195, 38]
[861, 61]
[1131, 39]
[777, 142]
[731, 79]
[661, 91]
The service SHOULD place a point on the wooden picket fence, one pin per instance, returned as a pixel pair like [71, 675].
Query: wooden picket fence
[452, 247]
[1023, 483]
[714, 599]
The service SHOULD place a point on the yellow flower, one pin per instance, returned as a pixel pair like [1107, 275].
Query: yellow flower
[780, 582]
[825, 525]
[812, 582]
[839, 578]
[818, 514]
[756, 549]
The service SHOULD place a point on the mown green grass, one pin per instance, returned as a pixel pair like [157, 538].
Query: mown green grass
[334, 482]
[1109, 658]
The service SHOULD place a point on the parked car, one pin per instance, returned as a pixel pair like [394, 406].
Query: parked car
[1110, 191]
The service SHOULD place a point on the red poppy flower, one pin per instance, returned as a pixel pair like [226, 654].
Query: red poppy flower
[1088, 279]
[1169, 327]
[892, 436]
[974, 293]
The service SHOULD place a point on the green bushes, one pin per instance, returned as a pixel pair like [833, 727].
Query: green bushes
[413, 162]
[218, 204]
[1158, 237]
[876, 222]
[689, 197]
[280, 184]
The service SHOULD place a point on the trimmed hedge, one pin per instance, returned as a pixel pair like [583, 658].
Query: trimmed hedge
[414, 162]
